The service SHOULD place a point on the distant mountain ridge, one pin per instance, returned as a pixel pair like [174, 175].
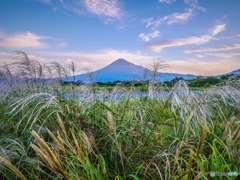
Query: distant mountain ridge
[235, 72]
[124, 70]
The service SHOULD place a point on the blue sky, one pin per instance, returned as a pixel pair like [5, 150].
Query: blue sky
[200, 37]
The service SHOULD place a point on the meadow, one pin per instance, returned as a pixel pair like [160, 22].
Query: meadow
[44, 135]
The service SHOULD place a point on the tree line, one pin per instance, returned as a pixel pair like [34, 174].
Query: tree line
[199, 81]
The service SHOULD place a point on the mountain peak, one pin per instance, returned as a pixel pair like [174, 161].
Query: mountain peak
[120, 61]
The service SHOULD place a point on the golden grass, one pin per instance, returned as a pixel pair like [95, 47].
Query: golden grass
[10, 166]
[205, 130]
[48, 156]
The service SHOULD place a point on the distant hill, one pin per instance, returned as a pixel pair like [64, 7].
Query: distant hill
[124, 70]
[236, 72]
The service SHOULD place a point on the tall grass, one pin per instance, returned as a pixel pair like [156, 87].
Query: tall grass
[46, 136]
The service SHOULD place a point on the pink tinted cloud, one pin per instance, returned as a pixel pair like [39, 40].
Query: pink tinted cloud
[211, 49]
[158, 46]
[227, 55]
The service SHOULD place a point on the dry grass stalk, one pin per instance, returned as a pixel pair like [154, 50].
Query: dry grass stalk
[190, 163]
[48, 155]
[61, 143]
[9, 165]
[227, 134]
[78, 149]
[111, 124]
[41, 153]
[236, 134]
[61, 124]
[203, 136]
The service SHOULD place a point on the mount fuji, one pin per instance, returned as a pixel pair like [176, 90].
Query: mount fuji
[124, 70]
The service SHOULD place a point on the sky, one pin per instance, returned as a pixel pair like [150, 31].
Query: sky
[199, 37]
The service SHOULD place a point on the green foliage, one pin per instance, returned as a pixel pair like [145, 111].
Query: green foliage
[204, 81]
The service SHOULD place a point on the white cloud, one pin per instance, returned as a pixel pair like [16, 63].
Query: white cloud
[22, 40]
[107, 8]
[199, 55]
[175, 17]
[237, 37]
[149, 36]
[179, 17]
[110, 8]
[169, 19]
[167, 1]
[46, 1]
[218, 28]
[28, 40]
[158, 46]
[194, 5]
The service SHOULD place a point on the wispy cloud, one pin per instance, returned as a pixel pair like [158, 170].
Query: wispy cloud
[237, 37]
[167, 1]
[169, 19]
[107, 8]
[194, 5]
[22, 40]
[211, 49]
[175, 17]
[199, 55]
[227, 55]
[218, 28]
[110, 8]
[46, 1]
[158, 46]
[149, 36]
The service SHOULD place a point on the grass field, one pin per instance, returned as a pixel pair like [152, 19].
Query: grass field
[45, 136]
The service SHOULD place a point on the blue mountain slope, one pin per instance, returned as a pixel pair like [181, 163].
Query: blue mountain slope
[235, 72]
[171, 76]
[232, 72]
[119, 70]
